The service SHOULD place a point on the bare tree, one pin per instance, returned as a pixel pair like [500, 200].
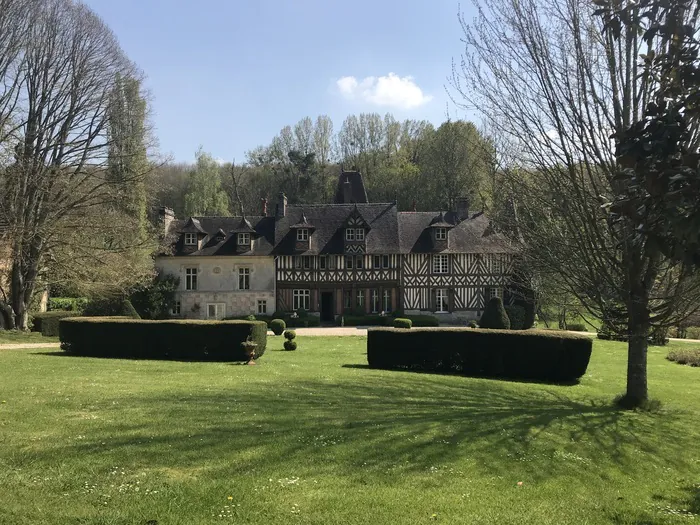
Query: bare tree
[557, 85]
[58, 125]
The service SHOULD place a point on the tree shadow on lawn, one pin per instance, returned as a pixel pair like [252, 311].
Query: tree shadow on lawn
[399, 422]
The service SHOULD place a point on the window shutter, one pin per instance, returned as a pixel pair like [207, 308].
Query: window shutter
[433, 300]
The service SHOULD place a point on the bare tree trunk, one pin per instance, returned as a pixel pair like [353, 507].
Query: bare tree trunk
[639, 328]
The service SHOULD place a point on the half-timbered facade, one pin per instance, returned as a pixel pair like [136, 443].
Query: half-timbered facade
[348, 257]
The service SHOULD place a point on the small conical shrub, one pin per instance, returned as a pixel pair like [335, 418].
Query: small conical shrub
[495, 315]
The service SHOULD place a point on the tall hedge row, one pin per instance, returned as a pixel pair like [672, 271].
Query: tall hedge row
[169, 339]
[47, 322]
[533, 355]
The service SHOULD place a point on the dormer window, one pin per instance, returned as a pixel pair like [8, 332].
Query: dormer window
[190, 239]
[349, 234]
[243, 238]
[360, 234]
[441, 234]
[302, 234]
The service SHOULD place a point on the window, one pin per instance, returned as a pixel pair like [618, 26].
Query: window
[360, 234]
[190, 239]
[216, 311]
[497, 264]
[244, 238]
[386, 301]
[307, 262]
[244, 278]
[348, 262]
[302, 234]
[175, 308]
[377, 262]
[441, 300]
[385, 261]
[440, 263]
[360, 297]
[347, 299]
[359, 262]
[349, 234]
[262, 306]
[441, 234]
[297, 262]
[302, 299]
[190, 278]
[495, 292]
[374, 300]
[322, 262]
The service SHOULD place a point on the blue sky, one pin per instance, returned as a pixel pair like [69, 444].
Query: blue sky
[228, 75]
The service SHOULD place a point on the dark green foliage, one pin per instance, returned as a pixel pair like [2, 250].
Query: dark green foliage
[251, 318]
[111, 307]
[530, 313]
[524, 354]
[166, 339]
[289, 335]
[155, 300]
[423, 320]
[402, 323]
[495, 316]
[47, 322]
[473, 324]
[68, 304]
[7, 320]
[308, 321]
[576, 327]
[516, 316]
[366, 320]
[290, 345]
[659, 336]
[690, 356]
[277, 326]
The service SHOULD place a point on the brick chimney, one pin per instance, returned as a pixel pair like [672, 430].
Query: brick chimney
[264, 207]
[166, 216]
[281, 205]
[462, 205]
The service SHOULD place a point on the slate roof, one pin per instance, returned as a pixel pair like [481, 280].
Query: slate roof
[263, 240]
[358, 193]
[329, 220]
[472, 235]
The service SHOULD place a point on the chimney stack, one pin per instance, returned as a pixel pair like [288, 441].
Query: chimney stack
[166, 216]
[347, 191]
[462, 204]
[282, 205]
[264, 207]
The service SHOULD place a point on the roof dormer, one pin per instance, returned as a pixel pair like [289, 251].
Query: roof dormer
[355, 232]
[302, 232]
[192, 235]
[439, 232]
[244, 234]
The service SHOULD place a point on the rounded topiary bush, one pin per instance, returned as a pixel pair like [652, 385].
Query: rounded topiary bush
[290, 335]
[290, 345]
[495, 316]
[278, 326]
[516, 315]
[251, 318]
[402, 323]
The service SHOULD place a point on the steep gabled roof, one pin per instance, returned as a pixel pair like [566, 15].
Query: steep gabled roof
[472, 235]
[303, 223]
[261, 228]
[244, 226]
[192, 225]
[357, 192]
[330, 221]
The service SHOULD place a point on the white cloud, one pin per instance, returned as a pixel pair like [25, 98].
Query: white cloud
[391, 91]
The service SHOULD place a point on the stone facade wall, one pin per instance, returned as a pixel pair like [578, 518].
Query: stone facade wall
[217, 283]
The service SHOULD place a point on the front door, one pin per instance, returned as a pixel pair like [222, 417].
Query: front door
[327, 306]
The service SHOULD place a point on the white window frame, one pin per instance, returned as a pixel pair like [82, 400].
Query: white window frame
[190, 239]
[349, 234]
[386, 300]
[244, 278]
[262, 306]
[243, 239]
[441, 234]
[360, 298]
[359, 262]
[322, 262]
[442, 300]
[191, 278]
[360, 234]
[301, 299]
[349, 262]
[374, 300]
[441, 263]
[495, 291]
[302, 234]
[219, 310]
[176, 308]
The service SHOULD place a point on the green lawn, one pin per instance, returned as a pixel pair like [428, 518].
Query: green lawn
[17, 337]
[315, 437]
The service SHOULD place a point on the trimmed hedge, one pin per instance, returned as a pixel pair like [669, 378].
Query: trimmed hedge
[290, 335]
[523, 354]
[423, 320]
[387, 320]
[495, 316]
[47, 322]
[290, 345]
[516, 315]
[169, 339]
[277, 326]
[402, 323]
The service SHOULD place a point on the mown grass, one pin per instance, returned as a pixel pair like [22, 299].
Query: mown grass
[315, 437]
[19, 337]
